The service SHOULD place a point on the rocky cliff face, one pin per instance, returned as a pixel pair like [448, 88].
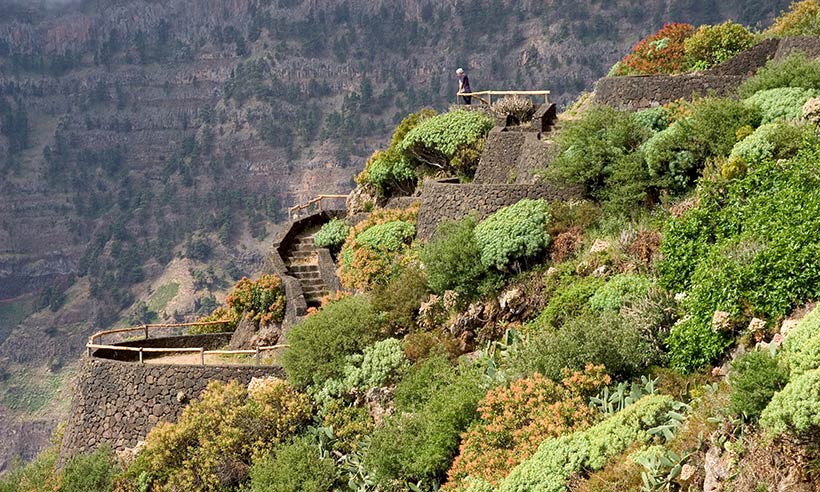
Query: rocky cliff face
[133, 132]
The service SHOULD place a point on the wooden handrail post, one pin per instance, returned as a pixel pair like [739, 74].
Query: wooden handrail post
[256, 357]
[141, 361]
[145, 327]
[202, 355]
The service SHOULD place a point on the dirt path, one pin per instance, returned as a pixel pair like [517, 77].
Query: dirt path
[196, 359]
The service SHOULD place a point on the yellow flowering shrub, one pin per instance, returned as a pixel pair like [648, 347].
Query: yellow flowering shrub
[218, 436]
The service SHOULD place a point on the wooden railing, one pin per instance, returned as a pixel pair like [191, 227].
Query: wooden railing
[317, 202]
[489, 95]
[95, 342]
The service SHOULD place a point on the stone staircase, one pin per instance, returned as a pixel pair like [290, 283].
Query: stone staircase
[302, 263]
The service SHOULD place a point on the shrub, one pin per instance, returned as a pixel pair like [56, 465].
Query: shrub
[662, 52]
[89, 472]
[398, 301]
[437, 141]
[263, 300]
[782, 103]
[748, 248]
[369, 258]
[653, 119]
[332, 235]
[769, 142]
[452, 259]
[518, 107]
[677, 155]
[419, 447]
[796, 408]
[320, 343]
[295, 467]
[218, 314]
[36, 476]
[793, 71]
[592, 147]
[755, 378]
[710, 45]
[802, 19]
[391, 170]
[588, 338]
[618, 290]
[801, 350]
[558, 458]
[379, 365]
[514, 420]
[217, 435]
[516, 232]
[423, 381]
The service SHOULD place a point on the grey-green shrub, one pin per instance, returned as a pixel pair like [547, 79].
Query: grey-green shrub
[380, 364]
[771, 141]
[801, 350]
[617, 290]
[795, 409]
[389, 236]
[653, 119]
[295, 467]
[558, 458]
[782, 103]
[332, 234]
[516, 232]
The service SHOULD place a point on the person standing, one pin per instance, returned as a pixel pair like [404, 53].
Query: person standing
[464, 85]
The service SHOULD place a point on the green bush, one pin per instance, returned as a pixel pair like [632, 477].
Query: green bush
[772, 141]
[618, 290]
[322, 341]
[748, 248]
[262, 300]
[379, 365]
[592, 147]
[437, 141]
[677, 155]
[570, 300]
[452, 259]
[588, 338]
[516, 232]
[693, 344]
[419, 447]
[398, 301]
[35, 476]
[796, 408]
[90, 472]
[332, 235]
[793, 71]
[782, 103]
[558, 458]
[755, 377]
[423, 381]
[295, 467]
[710, 45]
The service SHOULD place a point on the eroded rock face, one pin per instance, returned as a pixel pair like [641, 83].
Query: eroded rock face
[248, 335]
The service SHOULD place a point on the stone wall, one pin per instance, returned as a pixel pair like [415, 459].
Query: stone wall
[442, 200]
[646, 91]
[747, 63]
[117, 403]
[500, 157]
[810, 46]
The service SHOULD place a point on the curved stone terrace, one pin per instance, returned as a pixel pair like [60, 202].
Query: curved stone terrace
[172, 344]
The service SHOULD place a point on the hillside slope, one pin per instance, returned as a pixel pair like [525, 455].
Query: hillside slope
[137, 132]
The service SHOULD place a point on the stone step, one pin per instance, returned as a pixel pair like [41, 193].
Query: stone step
[312, 284]
[302, 254]
[303, 268]
[307, 277]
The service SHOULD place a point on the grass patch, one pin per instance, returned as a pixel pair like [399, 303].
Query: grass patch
[162, 297]
[12, 313]
[28, 393]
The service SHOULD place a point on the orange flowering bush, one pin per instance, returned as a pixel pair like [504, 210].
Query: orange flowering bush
[662, 52]
[263, 300]
[373, 247]
[515, 420]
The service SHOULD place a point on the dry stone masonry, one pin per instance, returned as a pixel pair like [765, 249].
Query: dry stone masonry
[117, 403]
